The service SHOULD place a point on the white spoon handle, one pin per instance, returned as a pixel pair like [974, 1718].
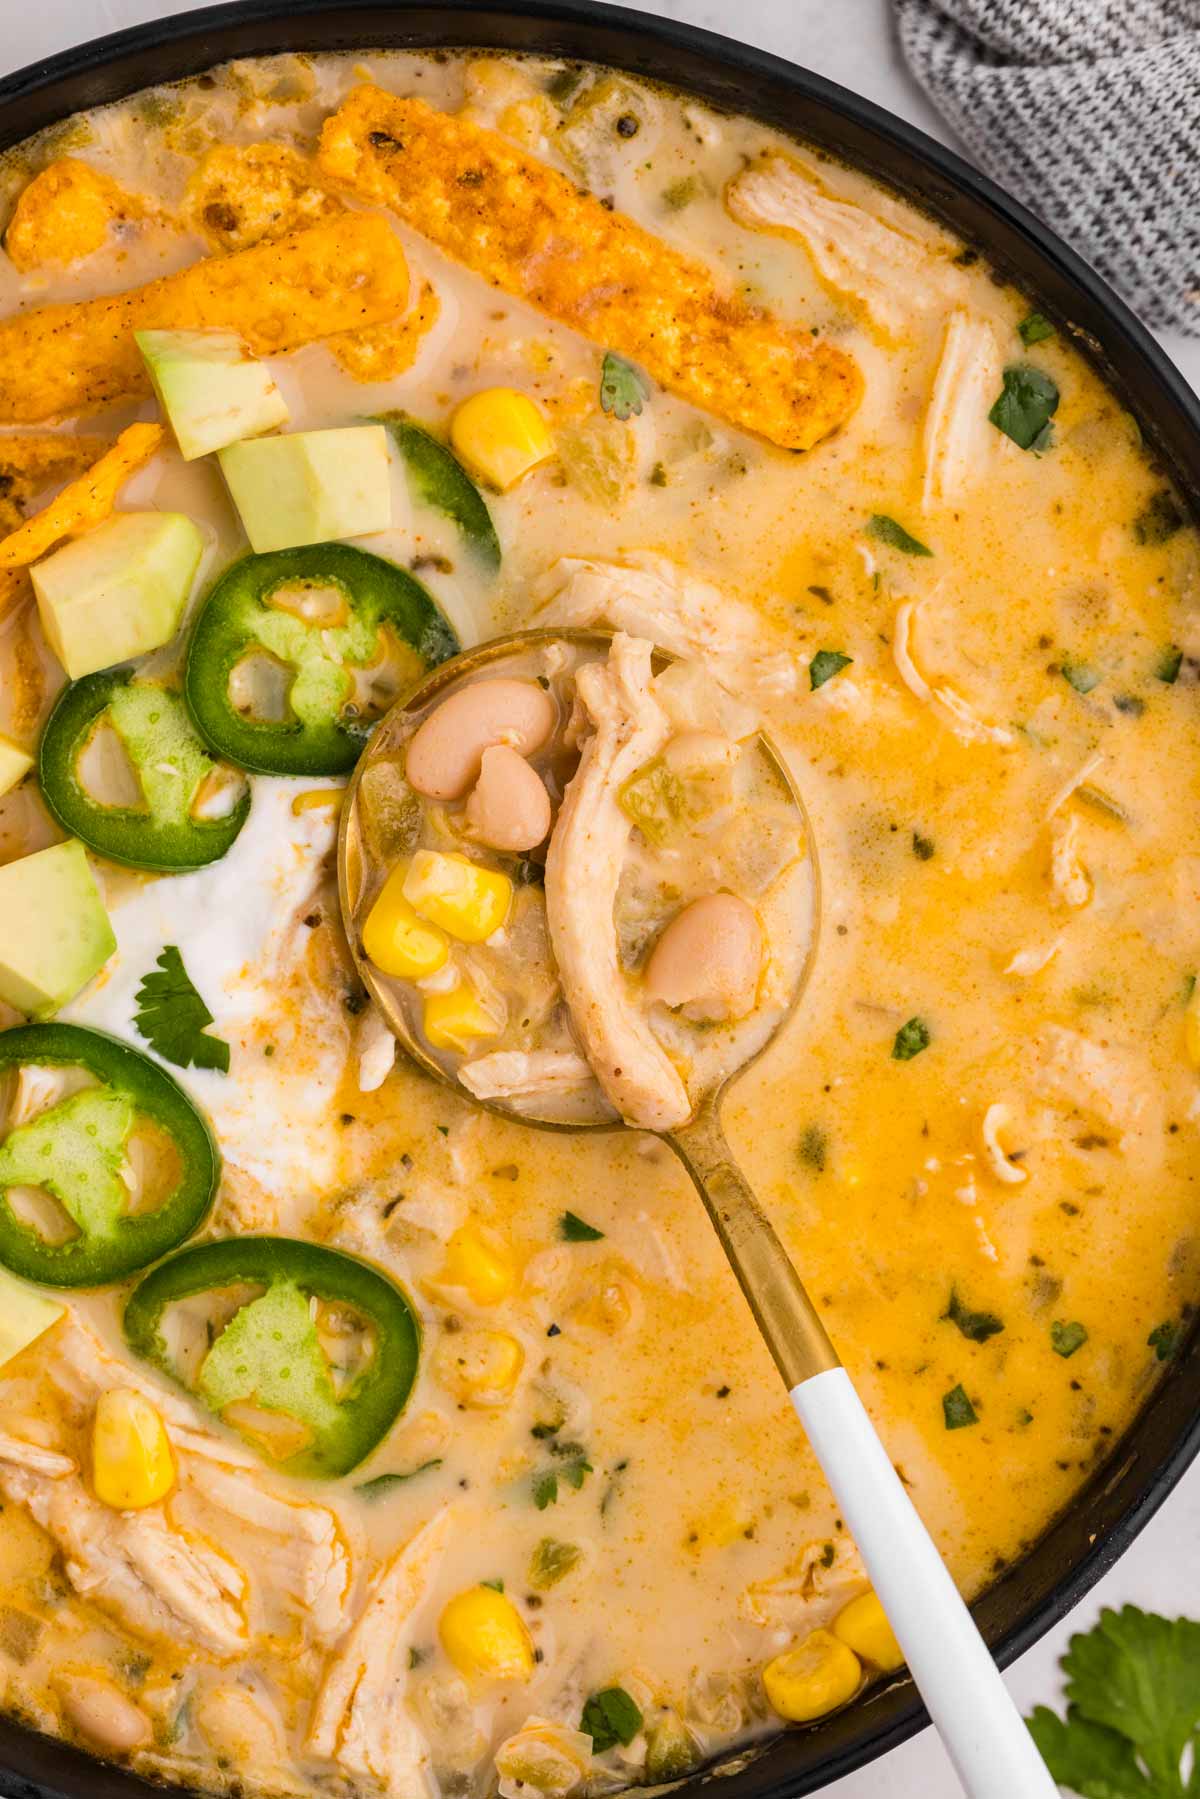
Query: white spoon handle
[993, 1753]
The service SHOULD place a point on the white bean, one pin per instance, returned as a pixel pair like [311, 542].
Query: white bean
[101, 1713]
[446, 750]
[708, 959]
[509, 808]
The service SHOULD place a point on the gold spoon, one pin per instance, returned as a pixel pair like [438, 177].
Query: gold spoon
[991, 1749]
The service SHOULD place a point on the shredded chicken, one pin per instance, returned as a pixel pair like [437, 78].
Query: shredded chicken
[888, 273]
[520, 1074]
[375, 1047]
[15, 1452]
[360, 1718]
[583, 868]
[1068, 876]
[1082, 775]
[650, 596]
[960, 443]
[811, 1593]
[996, 1120]
[1100, 1081]
[1031, 961]
[953, 708]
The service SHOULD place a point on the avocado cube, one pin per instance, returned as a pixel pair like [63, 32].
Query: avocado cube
[54, 931]
[211, 389]
[25, 1315]
[14, 764]
[310, 486]
[118, 592]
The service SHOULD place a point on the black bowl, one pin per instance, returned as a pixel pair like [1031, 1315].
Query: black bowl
[1126, 1490]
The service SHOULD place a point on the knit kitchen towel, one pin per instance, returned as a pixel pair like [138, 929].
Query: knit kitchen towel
[1089, 111]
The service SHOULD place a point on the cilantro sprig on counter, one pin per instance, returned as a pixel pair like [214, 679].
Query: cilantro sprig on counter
[1133, 1709]
[172, 1017]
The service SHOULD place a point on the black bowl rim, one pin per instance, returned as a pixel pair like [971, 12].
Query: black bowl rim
[1138, 1475]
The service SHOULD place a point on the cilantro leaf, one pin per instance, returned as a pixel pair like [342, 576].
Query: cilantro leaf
[383, 1484]
[1027, 402]
[1035, 328]
[624, 390]
[888, 531]
[1169, 663]
[825, 665]
[1164, 1340]
[572, 1229]
[977, 1326]
[957, 1409]
[172, 1017]
[573, 1471]
[1159, 518]
[610, 1717]
[1065, 1339]
[1094, 1762]
[910, 1040]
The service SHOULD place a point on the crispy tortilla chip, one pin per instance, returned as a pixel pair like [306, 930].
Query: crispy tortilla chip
[382, 352]
[66, 213]
[15, 586]
[37, 459]
[83, 503]
[244, 194]
[528, 229]
[66, 359]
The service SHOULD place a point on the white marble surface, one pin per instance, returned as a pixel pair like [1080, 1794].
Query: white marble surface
[850, 41]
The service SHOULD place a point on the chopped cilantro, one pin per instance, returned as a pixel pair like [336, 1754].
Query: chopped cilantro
[1027, 402]
[1035, 328]
[1159, 518]
[624, 390]
[383, 1484]
[1164, 1339]
[814, 1147]
[572, 1229]
[978, 1326]
[497, 1586]
[172, 1017]
[573, 1471]
[1079, 676]
[610, 1717]
[1133, 1717]
[922, 847]
[1169, 663]
[888, 531]
[1065, 1339]
[825, 665]
[957, 1409]
[910, 1040]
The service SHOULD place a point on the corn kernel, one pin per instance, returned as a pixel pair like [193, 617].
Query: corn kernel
[455, 1020]
[862, 1626]
[464, 898]
[485, 1637]
[481, 1262]
[132, 1464]
[812, 1678]
[501, 434]
[480, 1368]
[314, 798]
[396, 940]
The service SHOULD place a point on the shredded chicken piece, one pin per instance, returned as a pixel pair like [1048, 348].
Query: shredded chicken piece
[953, 708]
[889, 274]
[1031, 961]
[520, 1074]
[650, 596]
[360, 1718]
[583, 868]
[1068, 876]
[375, 1046]
[995, 1120]
[17, 1453]
[1099, 1080]
[158, 1581]
[960, 443]
[811, 1593]
[1077, 780]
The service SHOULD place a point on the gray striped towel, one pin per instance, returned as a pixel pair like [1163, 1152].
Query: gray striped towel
[1089, 111]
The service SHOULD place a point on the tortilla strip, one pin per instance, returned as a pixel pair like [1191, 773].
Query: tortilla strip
[70, 358]
[65, 213]
[382, 352]
[37, 459]
[529, 230]
[83, 503]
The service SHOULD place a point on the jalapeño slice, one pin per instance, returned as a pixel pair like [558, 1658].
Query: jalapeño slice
[287, 1370]
[185, 813]
[439, 479]
[294, 654]
[123, 1162]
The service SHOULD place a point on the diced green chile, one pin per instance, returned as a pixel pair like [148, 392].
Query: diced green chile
[171, 763]
[76, 1150]
[320, 736]
[269, 1355]
[439, 480]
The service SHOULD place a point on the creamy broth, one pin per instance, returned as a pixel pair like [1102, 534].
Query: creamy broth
[976, 1135]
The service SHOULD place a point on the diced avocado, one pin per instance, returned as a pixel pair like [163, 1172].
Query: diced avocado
[54, 931]
[14, 764]
[25, 1315]
[310, 486]
[212, 390]
[118, 592]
